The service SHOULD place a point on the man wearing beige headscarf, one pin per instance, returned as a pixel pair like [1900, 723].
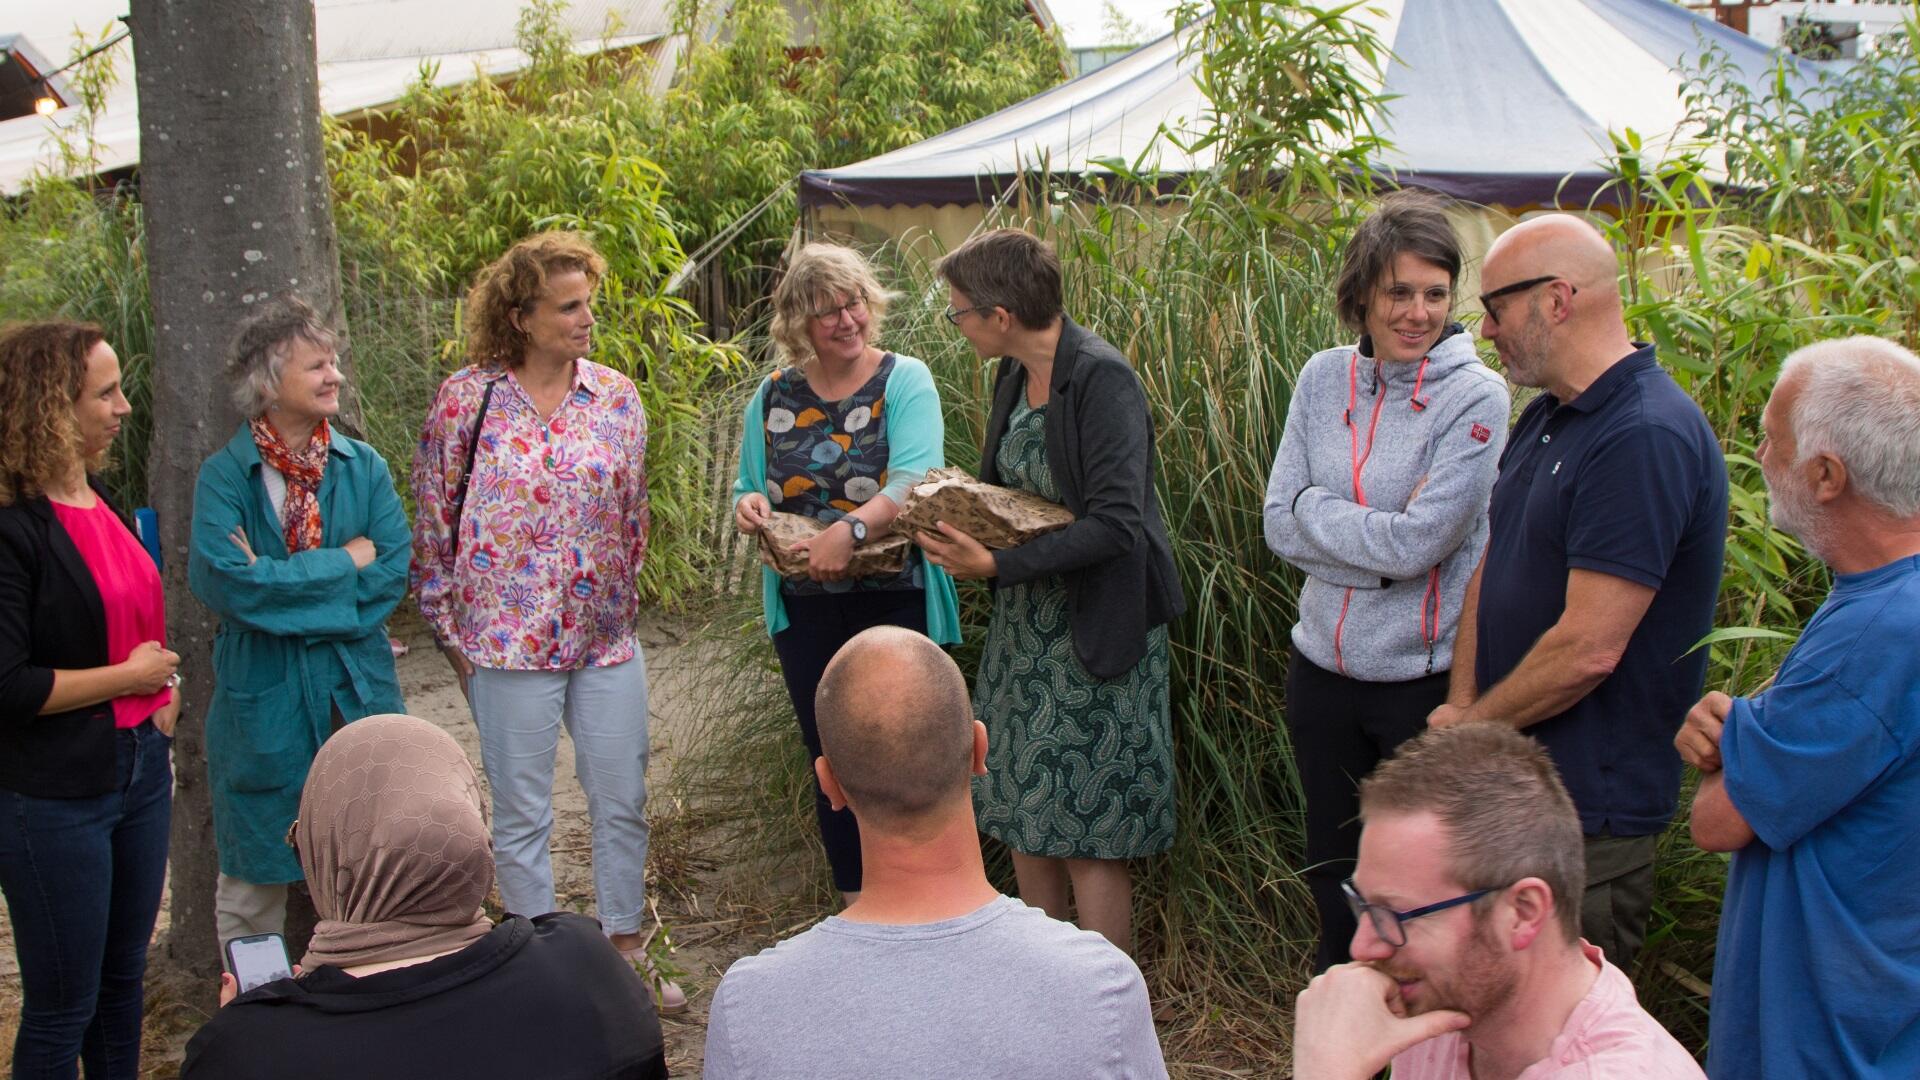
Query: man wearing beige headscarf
[1607, 529]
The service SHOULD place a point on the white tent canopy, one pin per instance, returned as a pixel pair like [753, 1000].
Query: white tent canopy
[369, 52]
[1503, 102]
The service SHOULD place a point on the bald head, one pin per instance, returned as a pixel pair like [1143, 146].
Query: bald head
[896, 726]
[1560, 245]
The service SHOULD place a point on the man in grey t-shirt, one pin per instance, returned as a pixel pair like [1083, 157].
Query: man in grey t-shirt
[930, 972]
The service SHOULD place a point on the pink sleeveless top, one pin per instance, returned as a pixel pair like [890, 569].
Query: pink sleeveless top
[130, 592]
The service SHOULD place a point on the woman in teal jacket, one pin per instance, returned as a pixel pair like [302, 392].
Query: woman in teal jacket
[300, 546]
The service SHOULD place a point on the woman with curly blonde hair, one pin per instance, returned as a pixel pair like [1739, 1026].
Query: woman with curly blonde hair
[531, 484]
[87, 707]
[838, 435]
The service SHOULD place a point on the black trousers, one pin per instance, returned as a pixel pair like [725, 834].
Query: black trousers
[816, 628]
[1341, 729]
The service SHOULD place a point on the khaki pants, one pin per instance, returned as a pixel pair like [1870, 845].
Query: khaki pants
[1619, 896]
[243, 909]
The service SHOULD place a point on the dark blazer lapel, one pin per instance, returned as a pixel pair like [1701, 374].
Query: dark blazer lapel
[67, 557]
[1063, 419]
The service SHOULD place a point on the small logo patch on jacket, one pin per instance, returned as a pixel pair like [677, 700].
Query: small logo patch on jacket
[1479, 433]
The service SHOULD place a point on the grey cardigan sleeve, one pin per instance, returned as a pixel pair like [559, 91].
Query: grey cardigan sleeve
[1292, 475]
[1407, 543]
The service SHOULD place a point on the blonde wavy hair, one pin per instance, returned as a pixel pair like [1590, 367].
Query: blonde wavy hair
[512, 283]
[43, 368]
[818, 277]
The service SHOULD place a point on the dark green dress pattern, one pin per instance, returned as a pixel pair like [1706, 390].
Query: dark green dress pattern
[1077, 766]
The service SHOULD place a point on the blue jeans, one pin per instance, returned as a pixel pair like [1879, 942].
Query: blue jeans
[519, 714]
[82, 878]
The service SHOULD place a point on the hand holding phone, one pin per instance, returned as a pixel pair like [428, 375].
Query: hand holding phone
[258, 959]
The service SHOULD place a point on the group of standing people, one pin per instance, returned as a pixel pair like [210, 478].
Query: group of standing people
[1552, 575]
[530, 482]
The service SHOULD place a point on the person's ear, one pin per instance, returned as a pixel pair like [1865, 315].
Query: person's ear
[513, 319]
[829, 783]
[979, 748]
[1827, 477]
[1531, 902]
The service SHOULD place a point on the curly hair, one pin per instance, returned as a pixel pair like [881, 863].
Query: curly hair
[43, 368]
[261, 346]
[513, 282]
[820, 276]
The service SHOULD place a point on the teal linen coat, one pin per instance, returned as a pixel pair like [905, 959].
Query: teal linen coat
[299, 638]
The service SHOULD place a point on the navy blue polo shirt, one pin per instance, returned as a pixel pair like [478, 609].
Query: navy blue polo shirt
[1626, 479]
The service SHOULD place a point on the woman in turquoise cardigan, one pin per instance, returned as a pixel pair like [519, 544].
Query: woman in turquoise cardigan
[839, 434]
[300, 546]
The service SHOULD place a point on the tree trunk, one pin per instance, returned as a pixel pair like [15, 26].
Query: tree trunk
[233, 179]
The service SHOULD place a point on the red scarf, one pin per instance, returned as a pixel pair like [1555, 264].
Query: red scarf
[303, 471]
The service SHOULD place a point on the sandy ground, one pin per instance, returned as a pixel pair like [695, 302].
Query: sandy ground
[708, 932]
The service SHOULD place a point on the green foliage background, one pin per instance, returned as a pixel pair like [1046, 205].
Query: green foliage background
[447, 178]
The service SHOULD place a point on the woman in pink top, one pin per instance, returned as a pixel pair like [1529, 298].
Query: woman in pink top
[87, 707]
[531, 484]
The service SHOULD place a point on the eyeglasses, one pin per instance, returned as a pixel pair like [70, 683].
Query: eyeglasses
[1487, 299]
[954, 313]
[1401, 297]
[855, 307]
[1388, 923]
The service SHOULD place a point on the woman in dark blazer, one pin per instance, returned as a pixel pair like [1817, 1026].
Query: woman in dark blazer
[1073, 679]
[87, 707]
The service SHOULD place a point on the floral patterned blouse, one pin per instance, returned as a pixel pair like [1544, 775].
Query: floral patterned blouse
[825, 459]
[555, 527]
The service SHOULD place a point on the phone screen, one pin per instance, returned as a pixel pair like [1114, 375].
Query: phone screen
[259, 959]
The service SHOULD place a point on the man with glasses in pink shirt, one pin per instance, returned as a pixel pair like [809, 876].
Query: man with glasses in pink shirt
[1468, 960]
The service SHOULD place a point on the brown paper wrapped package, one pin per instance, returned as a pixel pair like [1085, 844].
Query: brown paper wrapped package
[887, 555]
[997, 517]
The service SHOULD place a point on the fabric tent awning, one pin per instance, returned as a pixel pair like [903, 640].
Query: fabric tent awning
[1504, 102]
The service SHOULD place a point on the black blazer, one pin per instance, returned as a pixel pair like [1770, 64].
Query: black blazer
[51, 616]
[1115, 557]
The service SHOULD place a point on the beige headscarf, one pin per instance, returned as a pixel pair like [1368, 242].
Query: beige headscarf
[394, 844]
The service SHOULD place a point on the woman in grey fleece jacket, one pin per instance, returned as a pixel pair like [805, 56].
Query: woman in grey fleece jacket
[1379, 494]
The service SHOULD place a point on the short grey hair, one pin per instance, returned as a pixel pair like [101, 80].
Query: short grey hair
[261, 345]
[1860, 401]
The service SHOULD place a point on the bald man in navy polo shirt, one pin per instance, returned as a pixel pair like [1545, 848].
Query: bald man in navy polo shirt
[1608, 529]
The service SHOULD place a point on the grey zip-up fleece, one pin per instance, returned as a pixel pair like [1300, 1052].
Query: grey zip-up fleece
[1386, 572]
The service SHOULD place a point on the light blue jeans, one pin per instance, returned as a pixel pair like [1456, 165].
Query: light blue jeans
[519, 714]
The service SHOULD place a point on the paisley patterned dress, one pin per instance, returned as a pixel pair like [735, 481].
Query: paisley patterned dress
[1077, 766]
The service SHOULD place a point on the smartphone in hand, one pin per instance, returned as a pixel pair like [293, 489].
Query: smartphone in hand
[258, 959]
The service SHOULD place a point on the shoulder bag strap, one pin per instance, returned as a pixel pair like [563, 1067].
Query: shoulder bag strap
[466, 474]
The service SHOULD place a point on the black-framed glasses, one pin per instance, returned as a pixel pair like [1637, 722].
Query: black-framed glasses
[954, 313]
[1487, 299]
[856, 306]
[1388, 923]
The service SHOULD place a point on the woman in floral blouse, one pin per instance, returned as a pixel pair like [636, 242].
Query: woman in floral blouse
[839, 435]
[532, 490]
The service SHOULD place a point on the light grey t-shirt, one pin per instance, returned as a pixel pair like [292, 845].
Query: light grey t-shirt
[1002, 992]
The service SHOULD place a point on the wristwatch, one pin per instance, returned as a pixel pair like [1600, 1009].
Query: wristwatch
[859, 529]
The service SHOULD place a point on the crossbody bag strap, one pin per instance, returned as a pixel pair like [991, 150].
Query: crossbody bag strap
[466, 474]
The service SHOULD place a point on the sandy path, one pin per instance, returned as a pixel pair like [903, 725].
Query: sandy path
[707, 940]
